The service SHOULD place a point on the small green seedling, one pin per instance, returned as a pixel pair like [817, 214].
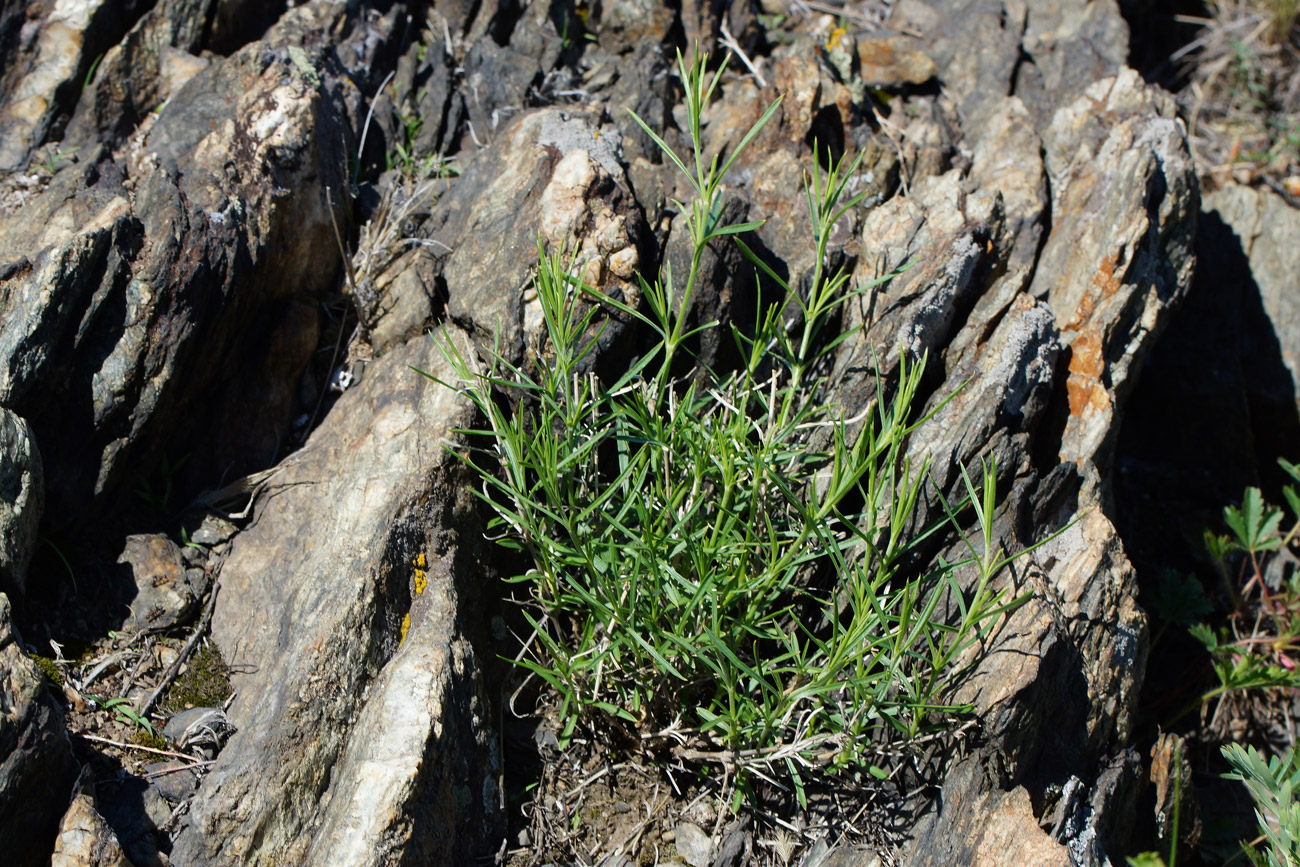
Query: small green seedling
[123, 711]
[1272, 783]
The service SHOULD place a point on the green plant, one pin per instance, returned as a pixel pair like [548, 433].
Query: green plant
[123, 711]
[67, 565]
[715, 554]
[55, 157]
[404, 155]
[1256, 649]
[90, 73]
[1272, 784]
[160, 496]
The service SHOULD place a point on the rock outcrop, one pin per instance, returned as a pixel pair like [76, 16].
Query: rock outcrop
[37, 769]
[22, 497]
[364, 723]
[171, 288]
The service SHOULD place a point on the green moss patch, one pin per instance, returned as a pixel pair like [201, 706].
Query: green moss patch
[205, 683]
[50, 669]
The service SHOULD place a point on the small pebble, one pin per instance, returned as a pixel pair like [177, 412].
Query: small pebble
[693, 844]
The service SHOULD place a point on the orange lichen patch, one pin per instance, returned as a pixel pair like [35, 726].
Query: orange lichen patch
[1106, 279]
[1084, 387]
[1105, 283]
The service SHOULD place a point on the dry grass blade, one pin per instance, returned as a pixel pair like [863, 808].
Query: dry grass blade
[384, 238]
[1243, 96]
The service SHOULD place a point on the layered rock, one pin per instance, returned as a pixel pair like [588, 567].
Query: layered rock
[37, 770]
[156, 293]
[22, 497]
[364, 727]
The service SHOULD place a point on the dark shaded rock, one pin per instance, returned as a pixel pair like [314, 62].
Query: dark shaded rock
[140, 73]
[735, 842]
[317, 622]
[1220, 370]
[44, 67]
[498, 84]
[1267, 229]
[178, 306]
[136, 812]
[175, 781]
[22, 497]
[235, 23]
[978, 824]
[85, 839]
[438, 102]
[37, 770]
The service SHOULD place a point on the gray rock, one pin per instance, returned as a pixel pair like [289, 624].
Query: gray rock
[166, 593]
[1268, 228]
[1047, 52]
[167, 291]
[37, 770]
[206, 727]
[168, 294]
[409, 305]
[1124, 205]
[693, 844]
[213, 530]
[22, 497]
[736, 841]
[392, 736]
[980, 825]
[85, 839]
[554, 174]
[843, 855]
[54, 53]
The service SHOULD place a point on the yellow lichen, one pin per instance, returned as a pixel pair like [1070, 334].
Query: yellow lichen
[420, 581]
[406, 626]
